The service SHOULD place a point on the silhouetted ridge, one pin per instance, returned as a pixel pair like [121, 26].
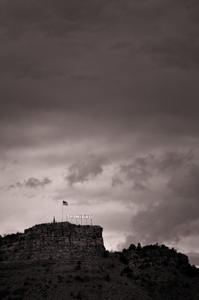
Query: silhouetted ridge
[52, 241]
[68, 261]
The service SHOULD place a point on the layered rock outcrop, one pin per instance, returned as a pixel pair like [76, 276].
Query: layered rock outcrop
[52, 241]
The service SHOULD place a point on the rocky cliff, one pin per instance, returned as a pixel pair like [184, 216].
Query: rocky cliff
[67, 261]
[52, 241]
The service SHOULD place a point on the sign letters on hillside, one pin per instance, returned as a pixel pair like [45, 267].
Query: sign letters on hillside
[79, 216]
[86, 217]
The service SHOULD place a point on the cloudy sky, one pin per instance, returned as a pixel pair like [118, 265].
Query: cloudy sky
[99, 107]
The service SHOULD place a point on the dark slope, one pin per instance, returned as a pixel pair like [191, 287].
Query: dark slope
[150, 272]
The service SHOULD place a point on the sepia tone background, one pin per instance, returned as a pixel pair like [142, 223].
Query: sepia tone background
[99, 107]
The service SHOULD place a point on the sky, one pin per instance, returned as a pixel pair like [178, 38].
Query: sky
[99, 107]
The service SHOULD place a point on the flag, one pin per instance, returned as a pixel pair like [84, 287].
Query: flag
[65, 203]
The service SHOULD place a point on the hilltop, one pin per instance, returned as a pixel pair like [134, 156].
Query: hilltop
[68, 261]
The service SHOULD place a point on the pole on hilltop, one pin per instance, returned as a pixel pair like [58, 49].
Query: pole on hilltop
[63, 203]
[62, 211]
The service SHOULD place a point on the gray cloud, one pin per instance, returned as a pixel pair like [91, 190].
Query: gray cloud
[116, 180]
[184, 182]
[178, 44]
[141, 169]
[84, 77]
[175, 215]
[174, 212]
[15, 185]
[31, 183]
[133, 172]
[34, 182]
[82, 171]
[54, 18]
[193, 258]
[175, 51]
[54, 42]
[172, 160]
[120, 45]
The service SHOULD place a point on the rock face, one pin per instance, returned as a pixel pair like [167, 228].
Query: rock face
[52, 241]
[68, 261]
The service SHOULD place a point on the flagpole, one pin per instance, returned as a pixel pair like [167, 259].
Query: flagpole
[63, 203]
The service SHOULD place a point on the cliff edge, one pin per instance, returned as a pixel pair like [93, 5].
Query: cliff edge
[66, 261]
[52, 241]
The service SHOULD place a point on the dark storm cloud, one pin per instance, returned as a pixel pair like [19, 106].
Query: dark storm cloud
[174, 215]
[54, 18]
[58, 17]
[31, 183]
[140, 169]
[172, 160]
[184, 182]
[177, 46]
[120, 45]
[82, 171]
[114, 76]
[157, 116]
[83, 77]
[132, 172]
[175, 51]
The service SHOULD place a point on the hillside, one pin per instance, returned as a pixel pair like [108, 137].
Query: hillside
[68, 261]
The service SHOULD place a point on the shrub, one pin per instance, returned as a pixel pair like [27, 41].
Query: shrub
[190, 271]
[78, 278]
[44, 295]
[173, 250]
[107, 278]
[4, 293]
[164, 247]
[165, 263]
[19, 291]
[123, 259]
[78, 266]
[132, 247]
[79, 296]
[127, 270]
[186, 285]
[106, 254]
